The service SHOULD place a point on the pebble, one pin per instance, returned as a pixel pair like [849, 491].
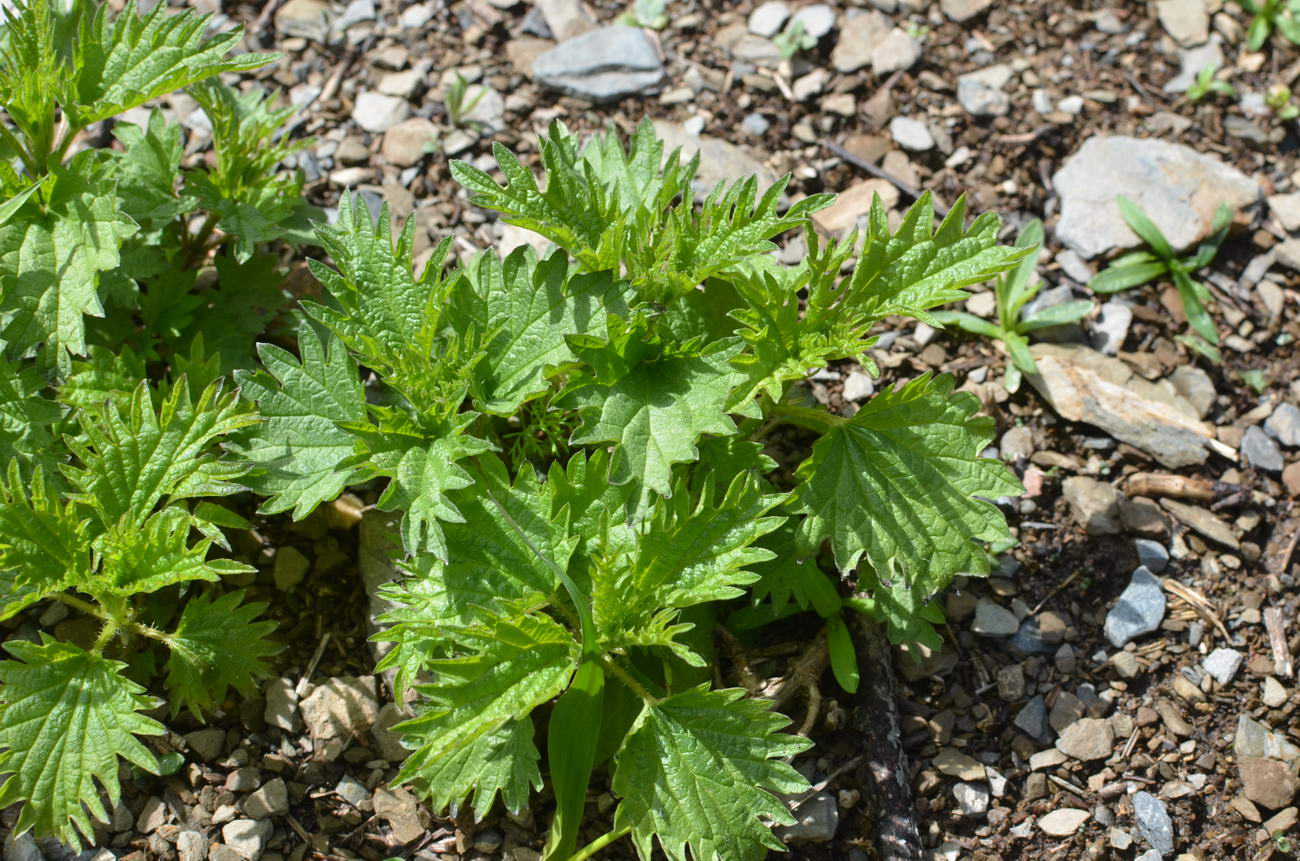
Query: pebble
[817, 19]
[377, 113]
[1274, 694]
[272, 799]
[1176, 186]
[308, 19]
[980, 92]
[755, 124]
[858, 39]
[1196, 388]
[994, 620]
[972, 798]
[897, 52]
[566, 18]
[1267, 782]
[1126, 664]
[767, 18]
[1139, 610]
[1087, 739]
[963, 10]
[954, 763]
[1031, 639]
[1284, 425]
[1152, 554]
[1032, 720]
[1074, 266]
[408, 142]
[1188, 21]
[1110, 327]
[1287, 209]
[1223, 664]
[1260, 450]
[290, 568]
[858, 386]
[1094, 504]
[603, 65]
[282, 705]
[1255, 739]
[1063, 822]
[191, 846]
[1192, 60]
[207, 743]
[911, 134]
[247, 837]
[1291, 478]
[1153, 822]
[815, 821]
[341, 707]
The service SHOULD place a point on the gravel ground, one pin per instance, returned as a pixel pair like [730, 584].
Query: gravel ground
[1124, 686]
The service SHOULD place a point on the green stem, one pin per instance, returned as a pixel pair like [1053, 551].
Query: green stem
[197, 250]
[598, 844]
[29, 163]
[105, 634]
[111, 623]
[817, 420]
[617, 671]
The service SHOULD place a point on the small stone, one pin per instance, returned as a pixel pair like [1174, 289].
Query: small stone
[911, 134]
[1223, 664]
[247, 837]
[1173, 719]
[1267, 782]
[994, 620]
[282, 705]
[807, 86]
[1035, 786]
[1093, 504]
[1196, 387]
[290, 568]
[1246, 808]
[488, 840]
[390, 744]
[377, 113]
[1152, 554]
[191, 846]
[1291, 478]
[1254, 739]
[208, 743]
[1087, 739]
[1260, 450]
[1126, 664]
[1110, 328]
[972, 798]
[341, 707]
[857, 386]
[897, 52]
[980, 92]
[858, 38]
[767, 18]
[272, 799]
[815, 820]
[1049, 758]
[1188, 21]
[854, 204]
[1139, 610]
[402, 811]
[1274, 694]
[817, 19]
[1284, 425]
[1063, 822]
[307, 19]
[408, 142]
[1282, 821]
[1192, 60]
[963, 10]
[1032, 720]
[603, 65]
[1065, 710]
[1016, 444]
[1287, 209]
[954, 763]
[354, 792]
[566, 19]
[152, 816]
[1065, 659]
[1153, 822]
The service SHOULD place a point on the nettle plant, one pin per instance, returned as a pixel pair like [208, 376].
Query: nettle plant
[113, 260]
[578, 444]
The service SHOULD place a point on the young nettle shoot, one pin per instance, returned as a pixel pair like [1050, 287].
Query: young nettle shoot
[1013, 291]
[1207, 81]
[1161, 261]
[1268, 16]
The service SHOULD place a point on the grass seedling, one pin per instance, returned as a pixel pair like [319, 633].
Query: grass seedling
[1270, 15]
[1013, 291]
[454, 100]
[1207, 83]
[1142, 267]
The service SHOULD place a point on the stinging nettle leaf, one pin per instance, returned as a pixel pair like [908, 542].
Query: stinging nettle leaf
[217, 646]
[901, 484]
[65, 717]
[503, 762]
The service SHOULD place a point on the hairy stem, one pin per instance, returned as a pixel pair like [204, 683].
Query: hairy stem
[616, 670]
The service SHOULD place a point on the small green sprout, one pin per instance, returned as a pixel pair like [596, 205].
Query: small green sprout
[1206, 82]
[1013, 291]
[454, 100]
[1278, 98]
[1269, 15]
[793, 39]
[651, 14]
[1141, 267]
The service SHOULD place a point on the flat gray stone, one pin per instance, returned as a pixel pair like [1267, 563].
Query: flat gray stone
[1087, 739]
[1188, 21]
[1152, 554]
[272, 799]
[817, 19]
[1139, 610]
[815, 821]
[1177, 187]
[1094, 504]
[1284, 425]
[858, 39]
[1254, 739]
[1195, 387]
[247, 836]
[1260, 450]
[1153, 822]
[603, 65]
[767, 18]
[1223, 664]
[994, 620]
[1032, 720]
[972, 798]
[911, 134]
[980, 92]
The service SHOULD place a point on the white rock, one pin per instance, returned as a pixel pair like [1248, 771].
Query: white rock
[897, 52]
[911, 134]
[1063, 822]
[1274, 694]
[767, 18]
[980, 92]
[817, 19]
[247, 837]
[858, 38]
[1287, 209]
[377, 113]
[1223, 664]
[1188, 21]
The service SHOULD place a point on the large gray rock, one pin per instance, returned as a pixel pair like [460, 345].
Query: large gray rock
[1176, 186]
[603, 65]
[1082, 385]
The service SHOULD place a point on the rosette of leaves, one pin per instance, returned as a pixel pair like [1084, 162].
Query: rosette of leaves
[577, 444]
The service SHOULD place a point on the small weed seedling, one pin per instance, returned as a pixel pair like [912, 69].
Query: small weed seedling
[1141, 267]
[1278, 98]
[1013, 291]
[646, 13]
[454, 100]
[1206, 82]
[1269, 15]
[793, 39]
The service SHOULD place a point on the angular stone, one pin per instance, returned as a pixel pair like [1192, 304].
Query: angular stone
[1032, 720]
[911, 134]
[855, 203]
[406, 143]
[1274, 695]
[341, 707]
[1255, 739]
[1267, 782]
[1139, 610]
[897, 52]
[282, 705]
[1177, 187]
[1151, 554]
[1223, 664]
[247, 837]
[1196, 388]
[1287, 209]
[994, 620]
[1083, 385]
[980, 92]
[963, 10]
[816, 820]
[954, 763]
[1153, 822]
[290, 568]
[1063, 822]
[858, 38]
[1202, 521]
[1284, 425]
[602, 66]
[271, 799]
[566, 18]
[1087, 739]
[767, 18]
[1188, 21]
[377, 113]
[1094, 504]
[972, 798]
[1260, 450]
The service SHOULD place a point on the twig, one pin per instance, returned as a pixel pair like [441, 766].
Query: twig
[301, 687]
[1197, 602]
[876, 717]
[880, 173]
[1052, 594]
[1275, 624]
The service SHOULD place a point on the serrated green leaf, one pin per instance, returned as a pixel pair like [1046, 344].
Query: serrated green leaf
[50, 260]
[656, 410]
[124, 61]
[147, 170]
[699, 770]
[503, 762]
[147, 557]
[44, 547]
[105, 376]
[527, 308]
[515, 665]
[217, 646]
[65, 717]
[900, 484]
[299, 450]
[25, 420]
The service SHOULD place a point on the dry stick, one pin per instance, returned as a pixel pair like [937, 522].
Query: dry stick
[1276, 627]
[905, 187]
[876, 717]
